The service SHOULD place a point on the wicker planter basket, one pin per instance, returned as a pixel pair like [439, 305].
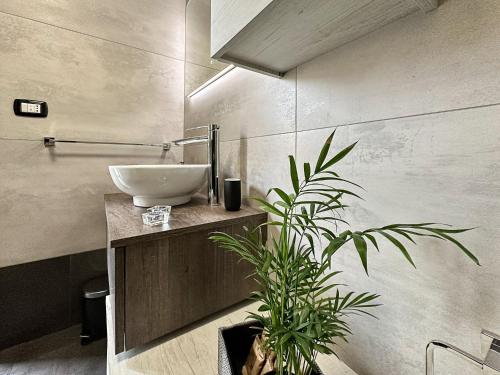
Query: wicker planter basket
[234, 345]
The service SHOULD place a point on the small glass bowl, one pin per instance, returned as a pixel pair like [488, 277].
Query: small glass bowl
[157, 215]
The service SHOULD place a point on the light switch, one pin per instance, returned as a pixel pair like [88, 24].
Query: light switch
[30, 108]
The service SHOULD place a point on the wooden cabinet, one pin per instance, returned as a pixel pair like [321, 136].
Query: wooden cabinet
[274, 36]
[175, 276]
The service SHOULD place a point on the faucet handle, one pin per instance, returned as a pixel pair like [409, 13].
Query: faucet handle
[210, 127]
[197, 127]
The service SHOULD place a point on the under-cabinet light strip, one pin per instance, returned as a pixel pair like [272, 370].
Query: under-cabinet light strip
[212, 80]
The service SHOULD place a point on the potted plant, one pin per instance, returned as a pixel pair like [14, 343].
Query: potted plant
[301, 309]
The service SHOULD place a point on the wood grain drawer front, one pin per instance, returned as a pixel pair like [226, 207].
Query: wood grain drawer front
[172, 282]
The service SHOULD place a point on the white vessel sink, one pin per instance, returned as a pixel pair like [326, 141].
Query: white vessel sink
[152, 185]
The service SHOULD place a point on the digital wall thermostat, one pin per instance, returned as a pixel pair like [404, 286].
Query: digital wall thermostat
[30, 108]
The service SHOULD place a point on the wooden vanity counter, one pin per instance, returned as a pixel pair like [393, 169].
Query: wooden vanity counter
[165, 277]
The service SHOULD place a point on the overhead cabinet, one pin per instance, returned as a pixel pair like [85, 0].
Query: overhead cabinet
[274, 36]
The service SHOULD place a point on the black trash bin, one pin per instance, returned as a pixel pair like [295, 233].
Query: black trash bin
[94, 309]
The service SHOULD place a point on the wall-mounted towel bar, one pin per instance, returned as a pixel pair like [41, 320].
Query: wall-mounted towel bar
[51, 142]
[491, 345]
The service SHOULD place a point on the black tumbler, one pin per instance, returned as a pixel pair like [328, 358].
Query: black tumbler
[232, 194]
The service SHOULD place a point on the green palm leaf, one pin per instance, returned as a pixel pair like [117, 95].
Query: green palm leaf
[301, 304]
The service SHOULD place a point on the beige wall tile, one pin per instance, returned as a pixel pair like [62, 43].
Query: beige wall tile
[153, 25]
[264, 163]
[230, 155]
[51, 201]
[441, 168]
[195, 153]
[198, 35]
[196, 75]
[245, 104]
[423, 63]
[95, 90]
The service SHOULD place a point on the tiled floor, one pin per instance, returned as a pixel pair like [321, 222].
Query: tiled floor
[57, 354]
[193, 350]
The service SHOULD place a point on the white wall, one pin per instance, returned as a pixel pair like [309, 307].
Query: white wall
[110, 71]
[423, 97]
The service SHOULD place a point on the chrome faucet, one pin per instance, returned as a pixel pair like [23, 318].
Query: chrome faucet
[490, 364]
[212, 140]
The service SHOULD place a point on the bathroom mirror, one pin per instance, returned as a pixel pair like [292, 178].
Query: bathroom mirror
[199, 67]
